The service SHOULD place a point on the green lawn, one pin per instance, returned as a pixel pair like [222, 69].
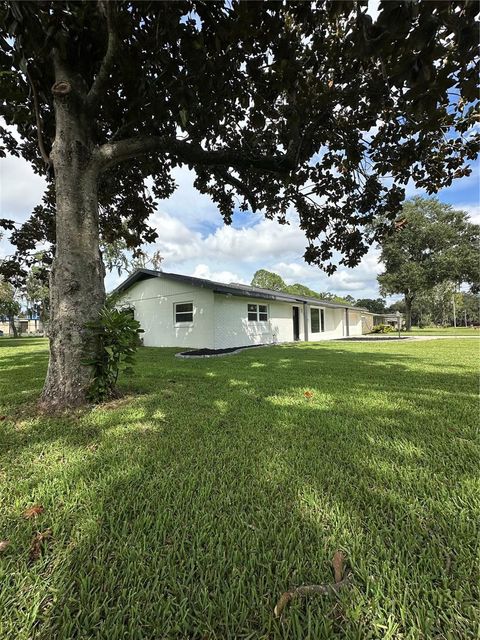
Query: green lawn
[444, 331]
[187, 510]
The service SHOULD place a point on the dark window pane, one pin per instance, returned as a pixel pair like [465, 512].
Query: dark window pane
[262, 308]
[184, 317]
[263, 316]
[252, 317]
[315, 320]
[252, 308]
[322, 316]
[184, 307]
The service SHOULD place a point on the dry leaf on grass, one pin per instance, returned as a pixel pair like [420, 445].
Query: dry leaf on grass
[308, 395]
[4, 544]
[337, 564]
[37, 544]
[33, 512]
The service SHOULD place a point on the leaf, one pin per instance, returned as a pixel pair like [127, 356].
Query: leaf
[4, 544]
[37, 544]
[33, 512]
[2, 418]
[337, 564]
[308, 395]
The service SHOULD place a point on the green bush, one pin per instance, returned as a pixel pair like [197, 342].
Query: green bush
[382, 328]
[119, 336]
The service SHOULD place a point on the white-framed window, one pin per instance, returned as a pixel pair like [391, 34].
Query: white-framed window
[257, 312]
[183, 312]
[317, 320]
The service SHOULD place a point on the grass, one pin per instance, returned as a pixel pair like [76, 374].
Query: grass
[186, 510]
[444, 331]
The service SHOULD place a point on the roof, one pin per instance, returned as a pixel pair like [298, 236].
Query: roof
[233, 289]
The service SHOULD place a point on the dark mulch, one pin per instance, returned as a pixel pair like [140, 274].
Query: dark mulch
[216, 352]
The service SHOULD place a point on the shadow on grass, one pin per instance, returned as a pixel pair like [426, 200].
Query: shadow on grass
[222, 486]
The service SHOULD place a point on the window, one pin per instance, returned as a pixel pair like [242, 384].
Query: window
[317, 320]
[183, 312]
[257, 312]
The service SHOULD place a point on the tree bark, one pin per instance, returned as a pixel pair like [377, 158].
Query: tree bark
[77, 290]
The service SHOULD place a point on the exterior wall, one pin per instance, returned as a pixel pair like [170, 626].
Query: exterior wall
[333, 324]
[24, 327]
[355, 322]
[153, 300]
[367, 322]
[233, 329]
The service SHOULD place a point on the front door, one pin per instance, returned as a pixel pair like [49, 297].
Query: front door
[296, 323]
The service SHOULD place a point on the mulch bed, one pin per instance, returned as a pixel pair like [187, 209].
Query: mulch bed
[208, 353]
[373, 339]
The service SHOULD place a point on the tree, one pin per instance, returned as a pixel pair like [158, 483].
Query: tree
[36, 289]
[277, 105]
[375, 306]
[433, 244]
[9, 306]
[268, 280]
[116, 256]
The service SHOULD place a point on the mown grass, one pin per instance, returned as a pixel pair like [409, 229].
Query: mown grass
[186, 510]
[444, 331]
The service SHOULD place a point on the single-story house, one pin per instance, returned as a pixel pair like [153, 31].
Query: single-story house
[181, 311]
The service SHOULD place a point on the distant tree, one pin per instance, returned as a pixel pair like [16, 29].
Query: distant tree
[9, 305]
[268, 280]
[37, 290]
[376, 305]
[117, 256]
[302, 290]
[433, 244]
[276, 105]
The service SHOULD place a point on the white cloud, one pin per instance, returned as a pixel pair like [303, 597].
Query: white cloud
[22, 189]
[204, 271]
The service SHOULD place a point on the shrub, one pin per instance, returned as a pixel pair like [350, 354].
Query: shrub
[119, 336]
[382, 328]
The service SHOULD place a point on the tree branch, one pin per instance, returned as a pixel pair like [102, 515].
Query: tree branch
[38, 118]
[240, 186]
[101, 79]
[190, 153]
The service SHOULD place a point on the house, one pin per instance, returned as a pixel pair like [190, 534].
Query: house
[182, 311]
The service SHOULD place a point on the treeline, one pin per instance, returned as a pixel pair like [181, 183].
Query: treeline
[442, 305]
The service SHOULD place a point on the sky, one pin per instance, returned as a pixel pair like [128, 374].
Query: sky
[193, 239]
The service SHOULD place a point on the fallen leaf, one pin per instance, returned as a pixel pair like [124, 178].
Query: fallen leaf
[3, 418]
[37, 543]
[308, 394]
[337, 564]
[33, 512]
[4, 544]
[330, 84]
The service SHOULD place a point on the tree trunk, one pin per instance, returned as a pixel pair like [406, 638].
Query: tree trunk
[77, 290]
[408, 312]
[13, 326]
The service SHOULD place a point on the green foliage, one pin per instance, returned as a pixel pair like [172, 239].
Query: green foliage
[382, 328]
[268, 280]
[184, 512]
[433, 243]
[375, 306]
[296, 128]
[119, 336]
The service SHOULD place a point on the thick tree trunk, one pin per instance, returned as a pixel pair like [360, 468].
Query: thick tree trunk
[77, 290]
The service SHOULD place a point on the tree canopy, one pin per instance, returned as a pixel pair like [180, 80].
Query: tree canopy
[434, 244]
[274, 105]
[376, 305]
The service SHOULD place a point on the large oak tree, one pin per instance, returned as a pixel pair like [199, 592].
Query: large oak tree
[435, 244]
[277, 105]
